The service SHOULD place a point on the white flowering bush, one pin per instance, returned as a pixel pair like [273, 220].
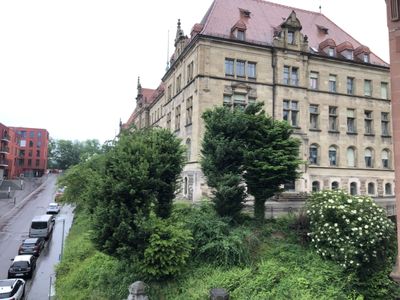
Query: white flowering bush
[351, 230]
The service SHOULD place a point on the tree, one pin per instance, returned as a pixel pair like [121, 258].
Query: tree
[222, 159]
[140, 172]
[247, 148]
[271, 157]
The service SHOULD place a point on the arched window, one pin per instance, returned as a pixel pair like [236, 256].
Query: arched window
[315, 186]
[385, 159]
[351, 157]
[185, 187]
[371, 188]
[353, 188]
[388, 189]
[334, 185]
[368, 158]
[313, 154]
[188, 149]
[332, 156]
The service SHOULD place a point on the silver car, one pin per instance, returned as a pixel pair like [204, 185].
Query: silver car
[12, 289]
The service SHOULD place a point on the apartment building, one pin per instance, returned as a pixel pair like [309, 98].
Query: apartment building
[23, 151]
[306, 70]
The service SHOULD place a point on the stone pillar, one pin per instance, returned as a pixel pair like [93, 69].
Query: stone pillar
[137, 291]
[219, 294]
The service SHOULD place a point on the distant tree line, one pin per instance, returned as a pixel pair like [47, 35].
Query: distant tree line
[63, 154]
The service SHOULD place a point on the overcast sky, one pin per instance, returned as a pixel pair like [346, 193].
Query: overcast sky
[71, 66]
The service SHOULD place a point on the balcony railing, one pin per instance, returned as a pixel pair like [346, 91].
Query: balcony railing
[5, 137]
[3, 163]
[4, 149]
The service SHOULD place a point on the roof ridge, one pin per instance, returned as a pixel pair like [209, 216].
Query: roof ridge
[287, 6]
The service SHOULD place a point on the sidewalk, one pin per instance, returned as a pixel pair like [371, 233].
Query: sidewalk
[18, 195]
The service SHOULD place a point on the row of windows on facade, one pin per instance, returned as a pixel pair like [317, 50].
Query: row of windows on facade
[244, 69]
[158, 114]
[351, 156]
[353, 187]
[22, 153]
[23, 134]
[21, 162]
[332, 83]
[178, 81]
[22, 143]
[291, 113]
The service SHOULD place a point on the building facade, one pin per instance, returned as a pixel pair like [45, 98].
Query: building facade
[304, 68]
[23, 151]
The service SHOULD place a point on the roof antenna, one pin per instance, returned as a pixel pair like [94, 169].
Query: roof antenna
[320, 6]
[166, 69]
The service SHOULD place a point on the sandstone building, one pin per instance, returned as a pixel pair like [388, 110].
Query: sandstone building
[304, 68]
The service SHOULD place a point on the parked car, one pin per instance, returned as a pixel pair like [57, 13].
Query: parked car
[53, 209]
[22, 266]
[42, 226]
[12, 289]
[31, 246]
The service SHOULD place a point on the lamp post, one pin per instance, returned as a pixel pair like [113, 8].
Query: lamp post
[62, 239]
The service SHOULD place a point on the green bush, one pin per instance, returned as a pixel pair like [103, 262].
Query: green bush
[215, 240]
[167, 249]
[351, 230]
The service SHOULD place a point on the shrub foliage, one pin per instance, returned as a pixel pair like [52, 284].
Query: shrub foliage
[351, 230]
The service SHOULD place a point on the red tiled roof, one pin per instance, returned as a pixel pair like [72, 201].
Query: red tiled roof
[147, 93]
[344, 46]
[265, 16]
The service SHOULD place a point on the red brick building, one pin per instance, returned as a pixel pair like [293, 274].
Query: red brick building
[393, 22]
[23, 151]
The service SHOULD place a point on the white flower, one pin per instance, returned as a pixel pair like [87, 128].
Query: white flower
[349, 200]
[366, 226]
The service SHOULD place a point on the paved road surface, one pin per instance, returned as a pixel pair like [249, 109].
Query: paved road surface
[14, 227]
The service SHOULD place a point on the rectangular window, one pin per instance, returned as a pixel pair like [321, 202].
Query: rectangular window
[333, 117]
[240, 35]
[240, 68]
[178, 117]
[286, 72]
[29, 162]
[331, 52]
[178, 83]
[332, 83]
[37, 153]
[291, 112]
[314, 116]
[189, 72]
[37, 162]
[351, 120]
[294, 77]
[169, 120]
[368, 122]
[290, 37]
[229, 63]
[384, 90]
[314, 80]
[367, 88]
[239, 101]
[30, 153]
[350, 85]
[31, 134]
[227, 100]
[189, 110]
[385, 123]
[170, 92]
[394, 10]
[251, 70]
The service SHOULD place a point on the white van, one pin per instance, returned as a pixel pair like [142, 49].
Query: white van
[41, 226]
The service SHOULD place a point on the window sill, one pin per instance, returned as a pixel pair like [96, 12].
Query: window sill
[351, 133]
[386, 136]
[189, 124]
[333, 131]
[315, 129]
[369, 134]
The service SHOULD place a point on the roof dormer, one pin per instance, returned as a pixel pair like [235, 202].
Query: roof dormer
[290, 35]
[238, 31]
[345, 49]
[362, 53]
[328, 47]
